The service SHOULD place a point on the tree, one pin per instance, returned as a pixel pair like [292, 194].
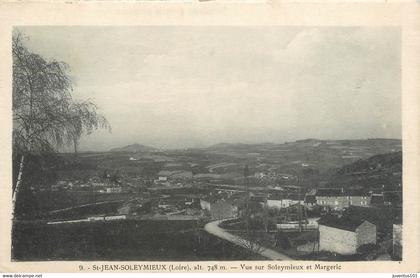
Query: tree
[83, 120]
[45, 116]
[252, 240]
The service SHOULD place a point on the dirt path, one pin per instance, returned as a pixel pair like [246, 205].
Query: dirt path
[214, 229]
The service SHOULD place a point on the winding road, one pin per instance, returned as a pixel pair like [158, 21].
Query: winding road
[214, 229]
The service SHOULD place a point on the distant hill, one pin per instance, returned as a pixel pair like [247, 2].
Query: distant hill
[344, 142]
[134, 148]
[378, 171]
[239, 146]
[232, 146]
[391, 162]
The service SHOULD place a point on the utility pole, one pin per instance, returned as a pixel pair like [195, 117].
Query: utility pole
[246, 185]
[265, 208]
[299, 205]
[92, 192]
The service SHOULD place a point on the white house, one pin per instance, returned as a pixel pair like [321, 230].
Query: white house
[397, 241]
[345, 235]
[279, 201]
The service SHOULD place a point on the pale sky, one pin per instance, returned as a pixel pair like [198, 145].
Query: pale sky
[175, 87]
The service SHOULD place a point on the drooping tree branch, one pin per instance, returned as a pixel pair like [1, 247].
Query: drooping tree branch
[45, 116]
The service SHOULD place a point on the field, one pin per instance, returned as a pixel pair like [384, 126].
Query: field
[126, 240]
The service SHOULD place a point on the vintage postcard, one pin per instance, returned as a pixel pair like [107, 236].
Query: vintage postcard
[209, 137]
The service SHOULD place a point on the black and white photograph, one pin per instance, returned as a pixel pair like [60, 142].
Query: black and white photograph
[206, 143]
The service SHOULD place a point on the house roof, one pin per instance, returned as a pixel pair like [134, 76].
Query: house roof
[381, 217]
[342, 223]
[355, 192]
[328, 192]
[333, 192]
[285, 196]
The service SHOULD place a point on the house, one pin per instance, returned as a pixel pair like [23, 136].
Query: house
[345, 235]
[205, 204]
[188, 201]
[193, 203]
[114, 190]
[279, 201]
[219, 208]
[397, 241]
[338, 199]
[358, 198]
[331, 197]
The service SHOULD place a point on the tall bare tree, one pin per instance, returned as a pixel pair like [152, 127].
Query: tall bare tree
[45, 116]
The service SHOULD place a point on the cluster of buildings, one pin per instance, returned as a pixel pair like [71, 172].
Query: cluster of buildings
[349, 219]
[94, 184]
[330, 199]
[337, 199]
[377, 228]
[356, 218]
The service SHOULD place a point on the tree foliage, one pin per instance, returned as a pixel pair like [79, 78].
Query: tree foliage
[45, 116]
